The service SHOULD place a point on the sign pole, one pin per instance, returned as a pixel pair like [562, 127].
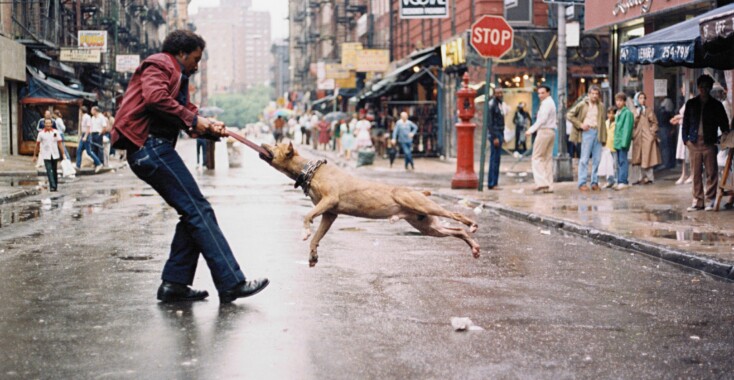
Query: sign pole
[563, 165]
[485, 124]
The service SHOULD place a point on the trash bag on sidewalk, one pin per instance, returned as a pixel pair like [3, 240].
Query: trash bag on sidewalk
[67, 169]
[365, 157]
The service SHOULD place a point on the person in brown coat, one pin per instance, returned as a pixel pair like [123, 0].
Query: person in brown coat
[645, 148]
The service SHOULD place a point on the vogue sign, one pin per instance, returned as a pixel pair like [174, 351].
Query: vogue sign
[424, 8]
[623, 6]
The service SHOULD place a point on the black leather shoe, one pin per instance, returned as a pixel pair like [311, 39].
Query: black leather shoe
[244, 289]
[172, 292]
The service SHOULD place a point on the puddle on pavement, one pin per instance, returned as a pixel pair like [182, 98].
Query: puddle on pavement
[685, 235]
[18, 212]
[652, 215]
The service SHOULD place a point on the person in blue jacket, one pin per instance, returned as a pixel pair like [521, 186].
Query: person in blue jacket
[403, 135]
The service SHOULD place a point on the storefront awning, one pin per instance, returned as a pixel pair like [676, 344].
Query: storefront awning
[717, 31]
[676, 45]
[41, 86]
[408, 66]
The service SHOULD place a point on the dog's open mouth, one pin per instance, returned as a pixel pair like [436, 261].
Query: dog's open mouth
[265, 154]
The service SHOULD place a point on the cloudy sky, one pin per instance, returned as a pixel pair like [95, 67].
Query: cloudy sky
[278, 12]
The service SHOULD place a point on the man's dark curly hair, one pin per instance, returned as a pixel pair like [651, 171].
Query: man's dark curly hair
[184, 41]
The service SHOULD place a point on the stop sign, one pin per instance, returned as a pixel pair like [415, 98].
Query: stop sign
[491, 36]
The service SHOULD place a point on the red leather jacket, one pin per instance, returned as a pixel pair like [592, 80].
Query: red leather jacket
[151, 97]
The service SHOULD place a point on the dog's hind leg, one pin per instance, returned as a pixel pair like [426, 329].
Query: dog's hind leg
[430, 226]
[327, 220]
[324, 205]
[420, 204]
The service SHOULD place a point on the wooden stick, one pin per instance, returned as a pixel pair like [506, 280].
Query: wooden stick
[249, 143]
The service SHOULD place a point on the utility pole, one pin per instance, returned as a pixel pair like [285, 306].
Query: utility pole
[563, 163]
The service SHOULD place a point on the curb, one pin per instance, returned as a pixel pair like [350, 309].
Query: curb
[17, 195]
[20, 173]
[688, 259]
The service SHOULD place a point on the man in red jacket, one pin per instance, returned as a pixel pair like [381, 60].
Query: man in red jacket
[154, 110]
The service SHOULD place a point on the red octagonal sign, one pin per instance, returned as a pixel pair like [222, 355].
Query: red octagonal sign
[491, 36]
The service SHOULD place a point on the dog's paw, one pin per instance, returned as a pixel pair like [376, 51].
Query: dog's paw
[474, 227]
[394, 219]
[306, 234]
[475, 252]
[312, 261]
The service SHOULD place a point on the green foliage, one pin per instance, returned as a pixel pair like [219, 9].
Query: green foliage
[241, 109]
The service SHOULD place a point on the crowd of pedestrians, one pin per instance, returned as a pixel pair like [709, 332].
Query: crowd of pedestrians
[625, 144]
[345, 135]
[94, 128]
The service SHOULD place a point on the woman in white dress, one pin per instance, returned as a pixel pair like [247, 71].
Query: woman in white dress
[362, 131]
[681, 151]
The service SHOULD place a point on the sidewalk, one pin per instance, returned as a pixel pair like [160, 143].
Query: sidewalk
[649, 218]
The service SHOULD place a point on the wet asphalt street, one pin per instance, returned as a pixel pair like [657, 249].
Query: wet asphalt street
[79, 272]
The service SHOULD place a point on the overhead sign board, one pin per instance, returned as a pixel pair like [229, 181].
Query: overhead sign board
[349, 54]
[336, 71]
[424, 9]
[80, 55]
[127, 63]
[453, 52]
[373, 60]
[93, 39]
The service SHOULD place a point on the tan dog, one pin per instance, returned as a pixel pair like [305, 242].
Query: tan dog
[335, 192]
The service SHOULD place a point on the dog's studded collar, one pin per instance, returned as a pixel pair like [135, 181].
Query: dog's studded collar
[304, 179]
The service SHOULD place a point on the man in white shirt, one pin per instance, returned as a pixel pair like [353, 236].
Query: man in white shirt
[85, 142]
[98, 126]
[545, 125]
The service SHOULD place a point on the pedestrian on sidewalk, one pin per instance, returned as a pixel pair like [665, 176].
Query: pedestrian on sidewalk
[324, 134]
[347, 134]
[645, 148]
[588, 118]
[154, 110]
[403, 136]
[278, 125]
[305, 133]
[608, 154]
[61, 127]
[545, 125]
[99, 124]
[85, 144]
[495, 134]
[521, 121]
[623, 125]
[362, 129]
[42, 121]
[681, 151]
[702, 119]
[51, 152]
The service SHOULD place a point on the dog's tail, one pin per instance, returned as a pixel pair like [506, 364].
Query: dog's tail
[426, 193]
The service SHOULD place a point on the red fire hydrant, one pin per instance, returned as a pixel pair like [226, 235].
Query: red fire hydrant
[465, 178]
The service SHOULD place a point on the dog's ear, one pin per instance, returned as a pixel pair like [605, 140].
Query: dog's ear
[289, 152]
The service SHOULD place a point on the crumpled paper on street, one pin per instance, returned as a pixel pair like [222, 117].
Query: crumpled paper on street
[464, 324]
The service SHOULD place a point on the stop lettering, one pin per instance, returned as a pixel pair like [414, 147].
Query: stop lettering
[491, 36]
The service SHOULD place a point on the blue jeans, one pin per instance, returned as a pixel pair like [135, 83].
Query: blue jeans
[493, 176]
[86, 146]
[610, 178]
[623, 166]
[52, 173]
[97, 146]
[590, 148]
[407, 148]
[197, 231]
